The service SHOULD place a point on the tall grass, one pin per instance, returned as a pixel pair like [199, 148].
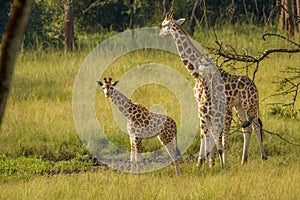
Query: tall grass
[38, 125]
[252, 181]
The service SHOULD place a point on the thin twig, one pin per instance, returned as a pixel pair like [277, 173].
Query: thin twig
[280, 36]
[239, 126]
[156, 194]
[282, 138]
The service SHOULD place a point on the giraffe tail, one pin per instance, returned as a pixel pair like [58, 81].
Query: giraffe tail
[261, 128]
[249, 122]
[245, 124]
[178, 152]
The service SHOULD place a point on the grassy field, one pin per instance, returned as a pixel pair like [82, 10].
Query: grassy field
[42, 156]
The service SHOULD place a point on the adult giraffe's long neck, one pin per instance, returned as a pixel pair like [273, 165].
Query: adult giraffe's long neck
[123, 103]
[194, 60]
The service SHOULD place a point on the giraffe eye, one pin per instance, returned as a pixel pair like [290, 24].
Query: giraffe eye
[165, 24]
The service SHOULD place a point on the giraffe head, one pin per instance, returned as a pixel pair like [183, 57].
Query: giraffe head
[107, 86]
[169, 24]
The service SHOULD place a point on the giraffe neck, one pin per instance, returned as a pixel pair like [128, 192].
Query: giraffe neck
[194, 60]
[123, 103]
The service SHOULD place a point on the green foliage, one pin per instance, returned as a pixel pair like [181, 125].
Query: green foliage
[256, 12]
[21, 167]
[284, 112]
[45, 26]
[26, 167]
[95, 16]
[4, 14]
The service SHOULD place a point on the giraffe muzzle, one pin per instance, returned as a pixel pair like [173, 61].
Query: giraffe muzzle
[161, 33]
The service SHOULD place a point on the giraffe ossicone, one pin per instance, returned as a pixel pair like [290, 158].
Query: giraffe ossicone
[216, 94]
[142, 124]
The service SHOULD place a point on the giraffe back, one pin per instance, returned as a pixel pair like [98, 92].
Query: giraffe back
[239, 89]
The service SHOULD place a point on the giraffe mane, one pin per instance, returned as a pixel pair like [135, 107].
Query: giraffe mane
[185, 33]
[169, 16]
[141, 105]
[180, 28]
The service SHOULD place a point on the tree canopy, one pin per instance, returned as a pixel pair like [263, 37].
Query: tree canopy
[98, 16]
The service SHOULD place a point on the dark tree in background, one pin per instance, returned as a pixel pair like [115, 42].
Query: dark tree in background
[193, 17]
[5, 7]
[290, 16]
[166, 6]
[53, 22]
[10, 46]
[69, 25]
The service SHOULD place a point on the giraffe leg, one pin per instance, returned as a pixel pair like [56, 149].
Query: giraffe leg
[257, 126]
[172, 151]
[209, 148]
[136, 149]
[206, 152]
[201, 157]
[246, 132]
[211, 158]
[132, 155]
[216, 133]
[225, 132]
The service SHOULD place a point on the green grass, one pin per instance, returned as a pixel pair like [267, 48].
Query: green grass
[266, 180]
[40, 147]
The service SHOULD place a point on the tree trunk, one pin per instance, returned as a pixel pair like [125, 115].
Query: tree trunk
[193, 18]
[288, 16]
[283, 15]
[69, 26]
[10, 46]
[290, 19]
[298, 16]
[205, 13]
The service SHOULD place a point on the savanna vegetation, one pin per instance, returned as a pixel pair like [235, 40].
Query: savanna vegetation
[43, 157]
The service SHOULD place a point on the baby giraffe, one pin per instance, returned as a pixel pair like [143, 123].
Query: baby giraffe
[143, 124]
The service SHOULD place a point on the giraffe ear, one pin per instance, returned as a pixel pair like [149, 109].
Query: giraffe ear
[100, 83]
[180, 21]
[115, 83]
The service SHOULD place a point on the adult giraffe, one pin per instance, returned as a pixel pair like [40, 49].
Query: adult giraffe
[241, 93]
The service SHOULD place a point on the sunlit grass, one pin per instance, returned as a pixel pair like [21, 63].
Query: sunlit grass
[254, 180]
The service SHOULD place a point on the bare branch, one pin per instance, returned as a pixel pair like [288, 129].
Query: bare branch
[280, 36]
[230, 54]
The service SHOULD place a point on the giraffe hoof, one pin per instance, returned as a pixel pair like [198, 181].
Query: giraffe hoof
[200, 162]
[264, 157]
[211, 163]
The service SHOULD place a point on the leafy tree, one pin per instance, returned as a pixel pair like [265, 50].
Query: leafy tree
[96, 16]
[45, 27]
[4, 14]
